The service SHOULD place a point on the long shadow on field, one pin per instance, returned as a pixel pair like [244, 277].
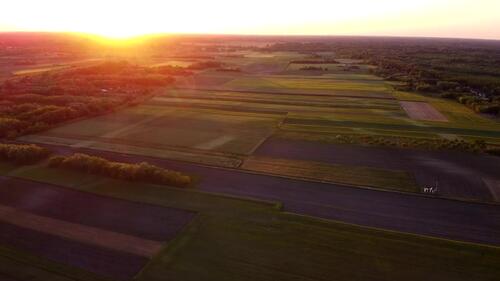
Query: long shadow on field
[95, 215]
[401, 212]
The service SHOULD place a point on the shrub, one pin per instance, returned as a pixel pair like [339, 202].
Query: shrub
[205, 65]
[450, 95]
[10, 125]
[424, 87]
[23, 153]
[394, 141]
[489, 108]
[123, 171]
[172, 70]
[465, 99]
[493, 151]
[447, 85]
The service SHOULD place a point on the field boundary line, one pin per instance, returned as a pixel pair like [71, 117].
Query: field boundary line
[81, 233]
[310, 179]
[264, 139]
[391, 231]
[172, 246]
[45, 264]
[283, 93]
[269, 203]
[252, 104]
[463, 200]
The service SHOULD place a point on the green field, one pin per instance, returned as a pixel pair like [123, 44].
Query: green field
[203, 136]
[239, 239]
[283, 99]
[372, 88]
[221, 118]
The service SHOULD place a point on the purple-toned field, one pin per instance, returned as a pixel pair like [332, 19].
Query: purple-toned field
[457, 174]
[95, 214]
[144, 221]
[102, 261]
[395, 211]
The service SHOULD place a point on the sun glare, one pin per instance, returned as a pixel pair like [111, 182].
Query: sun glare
[129, 18]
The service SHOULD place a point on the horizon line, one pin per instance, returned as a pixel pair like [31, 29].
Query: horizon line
[158, 34]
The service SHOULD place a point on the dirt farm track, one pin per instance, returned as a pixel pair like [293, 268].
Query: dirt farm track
[458, 220]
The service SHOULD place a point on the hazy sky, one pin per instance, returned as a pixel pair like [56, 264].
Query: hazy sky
[443, 18]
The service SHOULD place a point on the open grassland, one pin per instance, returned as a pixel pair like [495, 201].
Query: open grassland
[250, 240]
[323, 172]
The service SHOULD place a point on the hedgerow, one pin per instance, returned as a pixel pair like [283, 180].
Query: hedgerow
[22, 153]
[124, 171]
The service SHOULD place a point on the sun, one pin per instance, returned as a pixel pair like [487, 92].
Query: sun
[123, 32]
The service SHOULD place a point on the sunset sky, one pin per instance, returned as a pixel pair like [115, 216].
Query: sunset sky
[125, 18]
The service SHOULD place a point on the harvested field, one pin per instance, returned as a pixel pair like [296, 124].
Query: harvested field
[422, 111]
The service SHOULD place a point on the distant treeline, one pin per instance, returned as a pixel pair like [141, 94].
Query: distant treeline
[326, 61]
[228, 69]
[314, 68]
[205, 65]
[465, 70]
